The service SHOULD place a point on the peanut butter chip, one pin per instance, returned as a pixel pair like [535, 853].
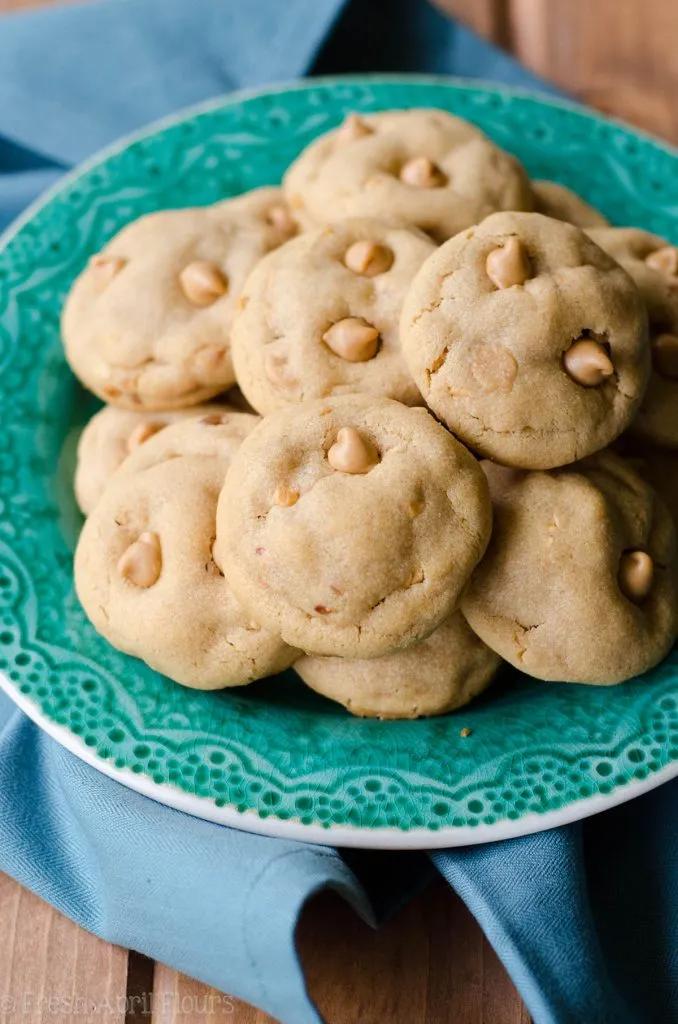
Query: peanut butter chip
[202, 282]
[587, 363]
[353, 128]
[368, 258]
[285, 496]
[352, 453]
[353, 339]
[420, 172]
[508, 265]
[665, 355]
[141, 563]
[636, 572]
[665, 260]
[104, 268]
[141, 433]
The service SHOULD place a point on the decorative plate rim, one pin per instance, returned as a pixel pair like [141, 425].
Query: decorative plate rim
[347, 836]
[363, 835]
[299, 85]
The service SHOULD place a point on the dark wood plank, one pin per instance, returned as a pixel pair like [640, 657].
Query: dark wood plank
[617, 55]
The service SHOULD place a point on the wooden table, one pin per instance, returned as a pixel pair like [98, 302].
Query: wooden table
[433, 964]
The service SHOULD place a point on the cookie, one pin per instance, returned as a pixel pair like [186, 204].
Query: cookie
[578, 583]
[653, 265]
[216, 433]
[350, 525]
[527, 340]
[145, 575]
[320, 316]
[111, 435]
[420, 167]
[557, 201]
[439, 674]
[147, 323]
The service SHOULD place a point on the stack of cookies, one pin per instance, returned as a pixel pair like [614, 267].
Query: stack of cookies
[361, 425]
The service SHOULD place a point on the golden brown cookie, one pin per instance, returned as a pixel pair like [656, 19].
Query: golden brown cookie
[441, 673]
[216, 433]
[320, 316]
[350, 525]
[111, 435]
[557, 201]
[420, 167]
[579, 580]
[144, 570]
[527, 340]
[653, 264]
[147, 323]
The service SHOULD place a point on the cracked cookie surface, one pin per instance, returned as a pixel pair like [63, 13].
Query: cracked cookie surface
[147, 323]
[112, 435]
[350, 525]
[421, 167]
[578, 582]
[349, 278]
[527, 340]
[144, 570]
[440, 674]
[653, 264]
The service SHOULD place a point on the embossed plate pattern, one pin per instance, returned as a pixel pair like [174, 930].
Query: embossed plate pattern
[274, 757]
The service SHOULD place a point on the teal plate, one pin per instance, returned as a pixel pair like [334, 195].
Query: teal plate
[274, 757]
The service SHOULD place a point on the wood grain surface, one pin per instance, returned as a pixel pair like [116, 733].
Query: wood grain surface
[616, 55]
[431, 964]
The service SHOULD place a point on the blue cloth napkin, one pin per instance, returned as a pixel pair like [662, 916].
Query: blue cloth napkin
[585, 918]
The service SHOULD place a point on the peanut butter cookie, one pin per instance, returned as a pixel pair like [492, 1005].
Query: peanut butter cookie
[109, 438]
[420, 167]
[561, 203]
[527, 340]
[144, 570]
[217, 434]
[441, 673]
[653, 264]
[320, 316]
[578, 583]
[350, 525]
[147, 324]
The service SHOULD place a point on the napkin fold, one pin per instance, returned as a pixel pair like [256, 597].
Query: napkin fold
[584, 917]
[218, 904]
